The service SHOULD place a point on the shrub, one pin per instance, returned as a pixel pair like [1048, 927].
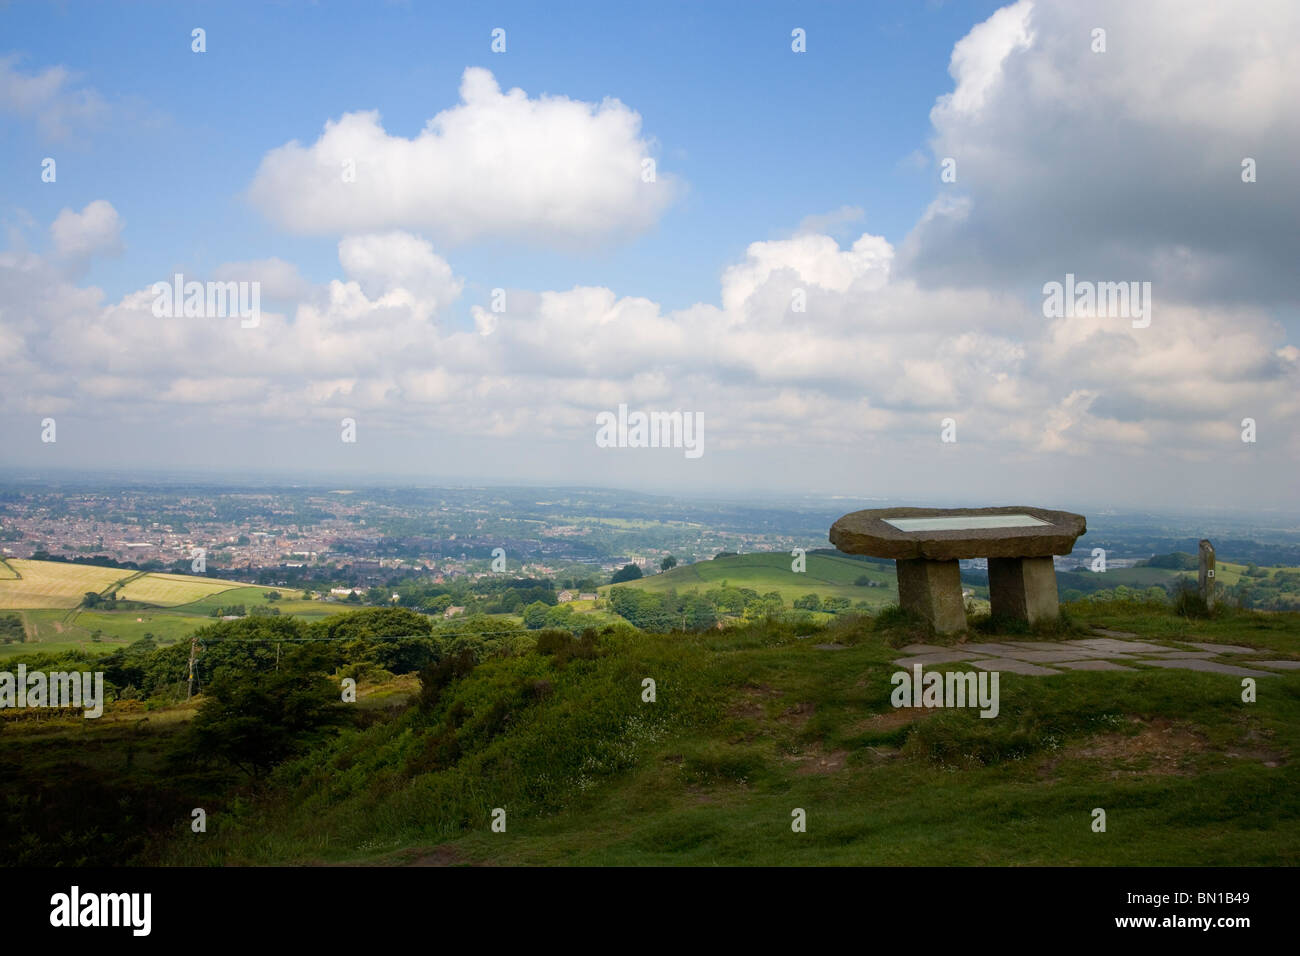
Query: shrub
[1189, 603]
[564, 647]
[435, 678]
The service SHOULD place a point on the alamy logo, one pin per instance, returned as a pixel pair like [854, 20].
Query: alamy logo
[208, 300]
[55, 689]
[651, 430]
[75, 908]
[951, 689]
[1115, 300]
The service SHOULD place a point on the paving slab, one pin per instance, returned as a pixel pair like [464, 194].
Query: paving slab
[1093, 666]
[994, 648]
[1046, 657]
[1083, 653]
[1014, 667]
[1075, 652]
[1182, 655]
[1223, 648]
[943, 657]
[1210, 667]
[1109, 644]
[830, 647]
[1277, 665]
[1040, 645]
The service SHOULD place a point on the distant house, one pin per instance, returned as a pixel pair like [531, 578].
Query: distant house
[564, 596]
[453, 611]
[344, 592]
[587, 596]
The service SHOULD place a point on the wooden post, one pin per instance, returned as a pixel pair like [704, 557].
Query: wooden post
[194, 653]
[1205, 577]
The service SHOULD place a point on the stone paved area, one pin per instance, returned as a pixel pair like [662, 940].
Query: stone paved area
[1043, 658]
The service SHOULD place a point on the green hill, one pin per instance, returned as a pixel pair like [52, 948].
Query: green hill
[749, 725]
[826, 575]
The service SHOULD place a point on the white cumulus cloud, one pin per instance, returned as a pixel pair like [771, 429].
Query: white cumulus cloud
[96, 230]
[498, 164]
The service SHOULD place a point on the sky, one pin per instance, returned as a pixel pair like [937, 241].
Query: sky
[826, 234]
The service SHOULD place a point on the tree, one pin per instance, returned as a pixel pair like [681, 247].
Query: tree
[629, 572]
[558, 616]
[809, 602]
[698, 614]
[254, 720]
[535, 616]
[668, 563]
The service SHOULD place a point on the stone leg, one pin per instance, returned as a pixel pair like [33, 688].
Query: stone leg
[1023, 588]
[932, 589]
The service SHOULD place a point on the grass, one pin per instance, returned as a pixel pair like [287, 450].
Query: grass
[748, 725]
[172, 589]
[826, 576]
[60, 624]
[53, 584]
[753, 723]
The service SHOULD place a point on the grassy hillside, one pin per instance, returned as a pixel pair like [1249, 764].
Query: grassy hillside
[752, 723]
[826, 576]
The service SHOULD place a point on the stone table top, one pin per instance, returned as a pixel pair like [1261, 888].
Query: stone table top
[944, 534]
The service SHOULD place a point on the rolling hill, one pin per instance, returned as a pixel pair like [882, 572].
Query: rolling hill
[827, 575]
[47, 597]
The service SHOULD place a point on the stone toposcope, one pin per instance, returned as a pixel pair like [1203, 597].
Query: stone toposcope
[926, 543]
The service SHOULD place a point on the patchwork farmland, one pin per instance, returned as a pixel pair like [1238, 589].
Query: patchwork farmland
[47, 596]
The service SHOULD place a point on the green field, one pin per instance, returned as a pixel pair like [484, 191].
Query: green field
[48, 596]
[53, 584]
[1228, 574]
[826, 576]
[170, 590]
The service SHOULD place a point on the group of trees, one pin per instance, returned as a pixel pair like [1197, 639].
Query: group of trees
[1175, 561]
[395, 640]
[484, 596]
[628, 572]
[666, 611]
[93, 599]
[11, 629]
[814, 602]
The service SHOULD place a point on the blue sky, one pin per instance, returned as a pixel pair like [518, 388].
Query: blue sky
[799, 275]
[761, 137]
